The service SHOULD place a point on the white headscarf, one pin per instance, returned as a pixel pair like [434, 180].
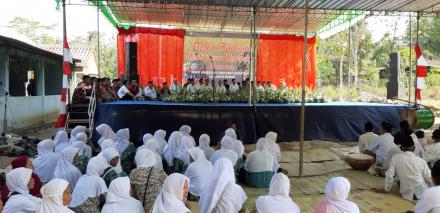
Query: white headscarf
[185, 130]
[159, 135]
[47, 160]
[259, 160]
[106, 132]
[110, 153]
[122, 138]
[170, 198]
[199, 171]
[145, 139]
[145, 158]
[52, 201]
[429, 202]
[119, 199]
[61, 141]
[75, 131]
[238, 145]
[186, 144]
[65, 169]
[81, 146]
[222, 176]
[336, 191]
[101, 163]
[173, 147]
[226, 150]
[81, 137]
[17, 181]
[278, 199]
[204, 141]
[274, 149]
[89, 185]
[107, 143]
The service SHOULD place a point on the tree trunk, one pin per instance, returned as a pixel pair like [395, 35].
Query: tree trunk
[341, 76]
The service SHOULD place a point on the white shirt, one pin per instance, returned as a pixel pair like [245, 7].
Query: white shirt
[174, 88]
[191, 88]
[413, 173]
[432, 152]
[429, 201]
[234, 88]
[381, 145]
[364, 140]
[122, 91]
[150, 92]
[419, 149]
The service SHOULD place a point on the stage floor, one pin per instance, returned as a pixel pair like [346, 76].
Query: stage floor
[336, 121]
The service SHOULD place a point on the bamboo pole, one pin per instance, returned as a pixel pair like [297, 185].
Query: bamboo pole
[303, 91]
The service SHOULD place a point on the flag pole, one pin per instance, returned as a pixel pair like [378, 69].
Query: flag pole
[417, 43]
[64, 41]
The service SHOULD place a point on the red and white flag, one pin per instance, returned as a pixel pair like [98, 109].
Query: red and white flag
[422, 71]
[67, 61]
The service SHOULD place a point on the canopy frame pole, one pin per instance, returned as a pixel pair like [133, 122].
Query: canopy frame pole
[303, 91]
[417, 42]
[410, 60]
[349, 61]
[98, 42]
[253, 81]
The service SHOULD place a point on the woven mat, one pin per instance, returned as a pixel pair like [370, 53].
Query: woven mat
[317, 155]
[314, 169]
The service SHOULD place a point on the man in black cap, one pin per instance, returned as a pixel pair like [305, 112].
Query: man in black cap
[412, 171]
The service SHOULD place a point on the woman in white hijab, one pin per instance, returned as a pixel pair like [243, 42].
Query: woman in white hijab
[19, 183]
[199, 172]
[83, 138]
[172, 148]
[65, 168]
[126, 149]
[336, 192]
[146, 180]
[152, 145]
[159, 135]
[106, 132]
[61, 141]
[222, 194]
[47, 160]
[278, 199]
[238, 145]
[111, 155]
[89, 189]
[119, 199]
[259, 165]
[56, 197]
[83, 160]
[274, 149]
[145, 139]
[226, 150]
[186, 131]
[204, 141]
[181, 161]
[75, 131]
[173, 195]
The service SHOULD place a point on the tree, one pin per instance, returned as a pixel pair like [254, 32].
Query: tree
[34, 30]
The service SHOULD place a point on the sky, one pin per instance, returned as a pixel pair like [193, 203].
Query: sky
[82, 19]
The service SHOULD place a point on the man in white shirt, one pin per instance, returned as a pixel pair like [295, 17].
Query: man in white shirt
[430, 202]
[234, 87]
[383, 143]
[175, 87]
[191, 88]
[271, 87]
[150, 91]
[124, 93]
[366, 138]
[433, 151]
[412, 171]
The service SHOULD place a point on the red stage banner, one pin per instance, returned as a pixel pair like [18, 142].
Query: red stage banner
[280, 59]
[159, 53]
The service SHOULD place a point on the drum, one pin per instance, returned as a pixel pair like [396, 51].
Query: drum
[418, 118]
[359, 161]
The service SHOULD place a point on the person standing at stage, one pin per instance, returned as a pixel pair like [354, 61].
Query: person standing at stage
[164, 91]
[116, 85]
[150, 91]
[175, 87]
[366, 138]
[234, 87]
[383, 143]
[413, 172]
[79, 95]
[124, 93]
[191, 88]
[226, 85]
[271, 87]
[207, 86]
[200, 85]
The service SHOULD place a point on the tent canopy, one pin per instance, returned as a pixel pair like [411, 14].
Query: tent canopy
[274, 16]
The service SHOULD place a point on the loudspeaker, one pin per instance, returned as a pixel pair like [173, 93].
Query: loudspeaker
[131, 58]
[394, 87]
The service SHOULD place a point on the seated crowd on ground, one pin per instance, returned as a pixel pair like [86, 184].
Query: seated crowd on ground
[107, 90]
[161, 175]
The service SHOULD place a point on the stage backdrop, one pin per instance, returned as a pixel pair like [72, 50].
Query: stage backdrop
[280, 58]
[159, 53]
[230, 56]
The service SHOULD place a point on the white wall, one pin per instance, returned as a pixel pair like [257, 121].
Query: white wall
[30, 110]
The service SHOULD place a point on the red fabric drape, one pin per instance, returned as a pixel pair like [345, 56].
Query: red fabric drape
[280, 60]
[159, 53]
